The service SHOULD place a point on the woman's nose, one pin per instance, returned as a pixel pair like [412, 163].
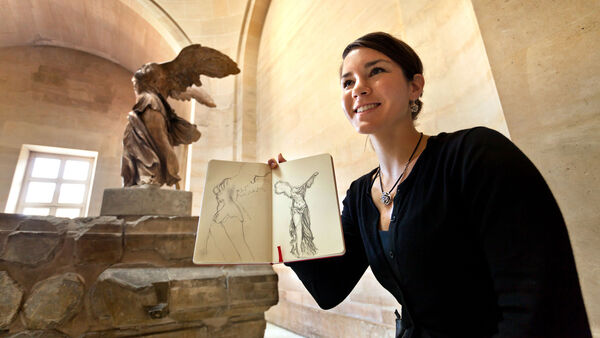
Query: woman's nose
[360, 89]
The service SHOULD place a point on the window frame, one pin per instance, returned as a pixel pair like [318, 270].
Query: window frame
[23, 176]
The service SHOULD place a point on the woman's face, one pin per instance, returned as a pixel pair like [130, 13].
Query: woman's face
[375, 93]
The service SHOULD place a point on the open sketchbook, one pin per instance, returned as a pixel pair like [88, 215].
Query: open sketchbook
[253, 214]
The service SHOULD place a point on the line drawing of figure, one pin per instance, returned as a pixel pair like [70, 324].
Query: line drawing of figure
[229, 222]
[302, 240]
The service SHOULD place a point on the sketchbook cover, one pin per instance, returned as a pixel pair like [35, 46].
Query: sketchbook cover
[251, 214]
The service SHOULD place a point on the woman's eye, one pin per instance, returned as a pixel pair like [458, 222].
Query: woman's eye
[346, 83]
[377, 70]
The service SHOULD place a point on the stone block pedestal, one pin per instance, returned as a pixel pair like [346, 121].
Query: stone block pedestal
[115, 277]
[139, 201]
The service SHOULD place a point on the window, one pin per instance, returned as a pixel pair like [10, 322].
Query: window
[56, 184]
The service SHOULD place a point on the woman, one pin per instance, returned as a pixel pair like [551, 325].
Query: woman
[460, 227]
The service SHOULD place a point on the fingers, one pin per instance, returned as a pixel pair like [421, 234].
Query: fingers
[273, 164]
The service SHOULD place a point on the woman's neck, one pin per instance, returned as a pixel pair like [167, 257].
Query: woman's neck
[394, 148]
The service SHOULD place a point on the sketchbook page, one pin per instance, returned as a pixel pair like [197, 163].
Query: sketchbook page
[306, 215]
[235, 217]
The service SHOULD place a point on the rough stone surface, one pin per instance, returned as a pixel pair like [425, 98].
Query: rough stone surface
[166, 237]
[200, 332]
[31, 240]
[10, 222]
[54, 301]
[197, 294]
[133, 276]
[146, 201]
[210, 291]
[30, 247]
[10, 299]
[181, 330]
[45, 224]
[102, 242]
[162, 225]
[38, 334]
[124, 297]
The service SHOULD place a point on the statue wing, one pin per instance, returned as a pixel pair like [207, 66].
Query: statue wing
[193, 61]
[194, 92]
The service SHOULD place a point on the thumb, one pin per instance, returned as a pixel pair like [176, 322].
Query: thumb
[280, 158]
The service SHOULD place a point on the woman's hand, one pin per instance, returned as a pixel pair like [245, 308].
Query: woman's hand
[274, 164]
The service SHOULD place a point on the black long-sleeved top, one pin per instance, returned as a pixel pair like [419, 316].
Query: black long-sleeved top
[480, 247]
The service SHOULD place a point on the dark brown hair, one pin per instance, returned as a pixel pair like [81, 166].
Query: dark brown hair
[397, 50]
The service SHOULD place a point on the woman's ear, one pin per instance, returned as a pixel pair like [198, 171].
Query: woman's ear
[416, 86]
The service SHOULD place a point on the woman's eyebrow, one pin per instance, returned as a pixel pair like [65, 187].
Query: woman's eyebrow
[371, 63]
[367, 65]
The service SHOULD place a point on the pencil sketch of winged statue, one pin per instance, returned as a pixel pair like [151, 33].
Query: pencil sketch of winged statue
[231, 219]
[302, 240]
[153, 128]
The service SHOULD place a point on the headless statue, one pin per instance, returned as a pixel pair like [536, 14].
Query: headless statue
[153, 128]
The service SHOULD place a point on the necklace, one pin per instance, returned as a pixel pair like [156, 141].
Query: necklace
[386, 197]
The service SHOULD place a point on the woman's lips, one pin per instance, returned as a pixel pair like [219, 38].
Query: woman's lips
[366, 107]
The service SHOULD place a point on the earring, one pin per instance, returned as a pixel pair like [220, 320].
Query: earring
[414, 107]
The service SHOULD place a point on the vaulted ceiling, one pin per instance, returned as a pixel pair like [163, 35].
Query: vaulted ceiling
[127, 32]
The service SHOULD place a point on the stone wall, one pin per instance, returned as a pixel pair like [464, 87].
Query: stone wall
[63, 98]
[111, 277]
[545, 57]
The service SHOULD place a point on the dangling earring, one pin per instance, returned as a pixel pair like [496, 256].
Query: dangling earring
[414, 107]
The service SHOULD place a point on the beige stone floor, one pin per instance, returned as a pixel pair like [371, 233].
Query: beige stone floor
[274, 331]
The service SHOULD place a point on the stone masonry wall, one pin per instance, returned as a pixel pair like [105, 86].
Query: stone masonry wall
[112, 277]
[63, 98]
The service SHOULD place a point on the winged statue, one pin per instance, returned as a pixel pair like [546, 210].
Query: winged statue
[153, 128]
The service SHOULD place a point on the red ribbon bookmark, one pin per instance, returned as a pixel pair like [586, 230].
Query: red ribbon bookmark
[280, 254]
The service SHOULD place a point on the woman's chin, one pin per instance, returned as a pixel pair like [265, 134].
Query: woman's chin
[364, 128]
[364, 131]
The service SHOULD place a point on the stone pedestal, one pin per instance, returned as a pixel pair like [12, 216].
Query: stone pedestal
[138, 201]
[113, 277]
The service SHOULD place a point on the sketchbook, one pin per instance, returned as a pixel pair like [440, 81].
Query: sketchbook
[252, 214]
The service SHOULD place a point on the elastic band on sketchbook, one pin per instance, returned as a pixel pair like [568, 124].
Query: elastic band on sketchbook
[280, 254]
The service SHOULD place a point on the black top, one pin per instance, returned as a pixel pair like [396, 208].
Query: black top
[387, 245]
[478, 245]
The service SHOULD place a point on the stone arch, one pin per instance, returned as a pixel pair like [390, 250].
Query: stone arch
[245, 93]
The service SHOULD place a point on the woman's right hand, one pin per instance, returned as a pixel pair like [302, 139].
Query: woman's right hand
[275, 163]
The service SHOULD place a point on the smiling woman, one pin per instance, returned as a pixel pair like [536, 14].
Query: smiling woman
[371, 83]
[467, 237]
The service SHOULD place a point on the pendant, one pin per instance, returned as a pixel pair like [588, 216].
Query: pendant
[386, 198]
